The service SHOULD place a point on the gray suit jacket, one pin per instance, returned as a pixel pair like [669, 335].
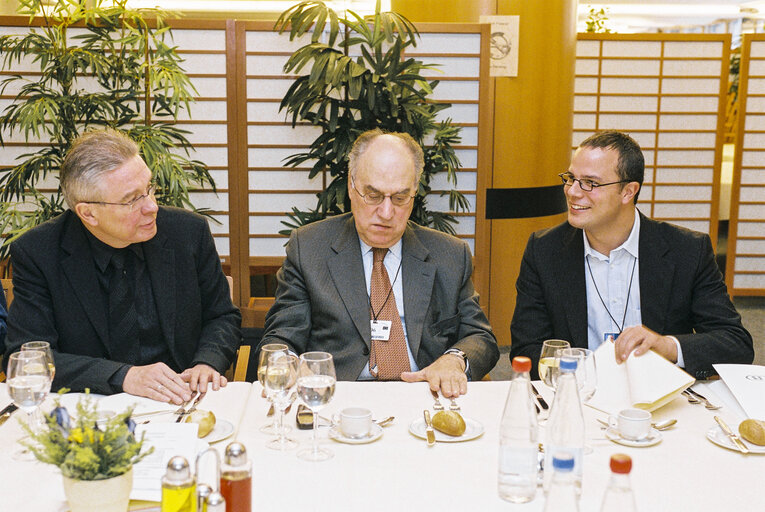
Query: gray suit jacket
[322, 303]
[682, 294]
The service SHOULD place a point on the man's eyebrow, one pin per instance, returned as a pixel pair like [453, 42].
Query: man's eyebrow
[134, 193]
[369, 189]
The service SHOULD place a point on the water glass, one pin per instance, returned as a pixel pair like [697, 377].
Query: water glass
[316, 386]
[265, 353]
[549, 359]
[280, 379]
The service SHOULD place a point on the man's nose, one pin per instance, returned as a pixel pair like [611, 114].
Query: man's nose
[149, 205]
[386, 208]
[574, 190]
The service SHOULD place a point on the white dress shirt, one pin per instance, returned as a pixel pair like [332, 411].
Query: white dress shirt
[392, 264]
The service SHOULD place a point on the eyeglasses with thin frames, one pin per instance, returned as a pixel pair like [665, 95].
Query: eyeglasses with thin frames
[585, 184]
[133, 202]
[375, 199]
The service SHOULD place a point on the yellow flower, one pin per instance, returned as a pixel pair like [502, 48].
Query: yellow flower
[76, 435]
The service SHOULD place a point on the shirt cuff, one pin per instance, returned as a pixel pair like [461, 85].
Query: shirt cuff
[680, 361]
[458, 352]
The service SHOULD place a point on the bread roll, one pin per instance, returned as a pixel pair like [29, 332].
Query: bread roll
[753, 431]
[205, 420]
[449, 422]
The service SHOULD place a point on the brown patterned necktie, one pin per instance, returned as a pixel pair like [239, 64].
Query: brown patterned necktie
[389, 356]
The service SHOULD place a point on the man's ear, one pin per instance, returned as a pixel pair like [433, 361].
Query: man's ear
[629, 191]
[86, 213]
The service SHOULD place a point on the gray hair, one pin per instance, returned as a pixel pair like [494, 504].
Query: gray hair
[364, 140]
[91, 156]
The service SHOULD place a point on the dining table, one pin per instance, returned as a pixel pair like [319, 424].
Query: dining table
[399, 471]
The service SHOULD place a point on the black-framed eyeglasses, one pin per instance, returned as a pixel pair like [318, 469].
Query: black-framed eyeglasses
[375, 199]
[585, 184]
[133, 202]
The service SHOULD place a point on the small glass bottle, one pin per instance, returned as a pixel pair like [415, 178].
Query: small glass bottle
[179, 490]
[619, 496]
[215, 502]
[563, 494]
[236, 479]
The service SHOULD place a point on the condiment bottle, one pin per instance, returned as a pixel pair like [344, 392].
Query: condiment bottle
[179, 490]
[563, 496]
[236, 479]
[215, 502]
[203, 491]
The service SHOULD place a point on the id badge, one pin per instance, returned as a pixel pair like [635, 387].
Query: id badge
[380, 329]
[612, 335]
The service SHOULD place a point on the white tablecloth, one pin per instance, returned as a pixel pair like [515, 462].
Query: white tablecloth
[399, 471]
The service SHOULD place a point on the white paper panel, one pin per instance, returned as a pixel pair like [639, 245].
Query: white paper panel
[210, 200]
[453, 66]
[456, 90]
[749, 281]
[203, 134]
[585, 121]
[751, 212]
[754, 140]
[436, 202]
[469, 158]
[752, 229]
[757, 68]
[757, 50]
[628, 122]
[754, 122]
[756, 86]
[460, 113]
[687, 140]
[684, 175]
[220, 227]
[211, 156]
[267, 225]
[586, 67]
[283, 180]
[204, 111]
[267, 64]
[682, 193]
[272, 157]
[587, 48]
[585, 103]
[753, 176]
[647, 142]
[689, 104]
[267, 41]
[750, 247]
[220, 178]
[693, 49]
[280, 134]
[465, 181]
[453, 43]
[690, 86]
[267, 88]
[631, 48]
[696, 225]
[197, 39]
[630, 67]
[465, 226]
[688, 122]
[691, 68]
[222, 246]
[629, 85]
[674, 211]
[752, 158]
[628, 103]
[645, 192]
[586, 85]
[648, 175]
[204, 63]
[268, 247]
[752, 194]
[668, 157]
[281, 202]
[260, 111]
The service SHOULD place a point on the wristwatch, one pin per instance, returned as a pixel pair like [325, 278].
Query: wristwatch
[460, 353]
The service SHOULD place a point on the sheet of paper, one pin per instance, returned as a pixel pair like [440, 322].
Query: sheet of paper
[168, 440]
[747, 383]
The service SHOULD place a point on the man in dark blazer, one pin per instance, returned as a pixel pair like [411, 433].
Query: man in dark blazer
[323, 293]
[611, 271]
[177, 330]
[3, 317]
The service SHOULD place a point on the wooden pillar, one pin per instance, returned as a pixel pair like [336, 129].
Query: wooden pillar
[533, 116]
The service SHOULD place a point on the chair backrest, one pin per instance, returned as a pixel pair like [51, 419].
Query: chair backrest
[8, 290]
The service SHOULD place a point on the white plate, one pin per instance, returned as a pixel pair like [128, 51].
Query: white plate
[718, 437]
[221, 431]
[377, 432]
[473, 430]
[654, 437]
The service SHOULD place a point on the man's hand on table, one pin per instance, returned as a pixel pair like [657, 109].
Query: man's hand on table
[200, 375]
[641, 339]
[446, 373]
[158, 382]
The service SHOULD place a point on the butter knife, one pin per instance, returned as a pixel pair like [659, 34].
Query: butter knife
[733, 437]
[429, 432]
[6, 412]
[540, 400]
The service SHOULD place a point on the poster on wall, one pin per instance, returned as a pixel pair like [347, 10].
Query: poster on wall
[504, 44]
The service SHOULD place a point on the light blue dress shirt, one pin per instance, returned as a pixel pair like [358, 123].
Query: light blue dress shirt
[392, 261]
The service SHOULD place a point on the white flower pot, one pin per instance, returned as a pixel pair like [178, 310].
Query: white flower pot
[110, 495]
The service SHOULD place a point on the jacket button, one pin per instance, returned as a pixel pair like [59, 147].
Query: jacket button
[365, 351]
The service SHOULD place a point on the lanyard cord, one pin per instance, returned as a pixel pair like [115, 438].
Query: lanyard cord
[626, 304]
[390, 291]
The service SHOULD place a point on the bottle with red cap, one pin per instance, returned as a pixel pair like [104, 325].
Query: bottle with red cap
[619, 495]
[518, 433]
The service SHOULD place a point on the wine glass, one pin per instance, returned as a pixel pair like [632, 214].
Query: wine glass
[316, 385]
[281, 377]
[42, 346]
[265, 353]
[28, 385]
[586, 371]
[549, 359]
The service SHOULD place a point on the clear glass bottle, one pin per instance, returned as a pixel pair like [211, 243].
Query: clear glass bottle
[518, 433]
[563, 495]
[179, 489]
[236, 479]
[619, 496]
[565, 426]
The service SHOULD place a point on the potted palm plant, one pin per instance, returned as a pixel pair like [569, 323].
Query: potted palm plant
[358, 78]
[99, 63]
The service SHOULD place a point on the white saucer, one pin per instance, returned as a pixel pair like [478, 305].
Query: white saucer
[718, 437]
[473, 429]
[654, 437]
[222, 430]
[374, 435]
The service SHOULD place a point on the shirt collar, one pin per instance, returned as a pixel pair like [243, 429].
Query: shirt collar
[395, 249]
[102, 253]
[630, 245]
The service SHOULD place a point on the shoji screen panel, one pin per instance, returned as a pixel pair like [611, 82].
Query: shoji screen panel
[745, 273]
[668, 92]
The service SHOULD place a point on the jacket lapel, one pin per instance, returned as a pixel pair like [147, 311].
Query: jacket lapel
[418, 277]
[347, 271]
[160, 263]
[80, 272]
[656, 274]
[571, 278]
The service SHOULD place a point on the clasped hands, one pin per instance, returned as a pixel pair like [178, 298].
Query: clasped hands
[641, 339]
[446, 373]
[159, 382]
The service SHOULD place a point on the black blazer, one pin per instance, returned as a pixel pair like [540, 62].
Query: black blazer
[56, 298]
[3, 316]
[681, 294]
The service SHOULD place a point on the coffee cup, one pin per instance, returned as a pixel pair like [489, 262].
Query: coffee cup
[632, 424]
[355, 422]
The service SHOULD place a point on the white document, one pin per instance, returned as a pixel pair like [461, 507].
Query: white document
[747, 383]
[646, 382]
[168, 440]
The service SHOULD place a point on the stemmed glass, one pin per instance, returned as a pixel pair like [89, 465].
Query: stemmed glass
[586, 372]
[281, 377]
[42, 346]
[265, 353]
[28, 385]
[316, 386]
[549, 360]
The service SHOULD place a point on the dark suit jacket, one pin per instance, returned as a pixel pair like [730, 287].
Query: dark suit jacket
[322, 302]
[56, 298]
[682, 294]
[3, 316]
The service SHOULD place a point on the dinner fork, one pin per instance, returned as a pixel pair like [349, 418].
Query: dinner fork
[709, 405]
[438, 406]
[691, 399]
[454, 406]
[191, 409]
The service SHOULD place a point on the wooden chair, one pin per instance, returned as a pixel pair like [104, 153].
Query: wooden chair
[8, 290]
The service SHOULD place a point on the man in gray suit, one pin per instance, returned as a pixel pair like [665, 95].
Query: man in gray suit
[325, 299]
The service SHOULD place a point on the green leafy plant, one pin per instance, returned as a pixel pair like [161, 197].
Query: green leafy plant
[360, 79]
[100, 64]
[88, 448]
[596, 21]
